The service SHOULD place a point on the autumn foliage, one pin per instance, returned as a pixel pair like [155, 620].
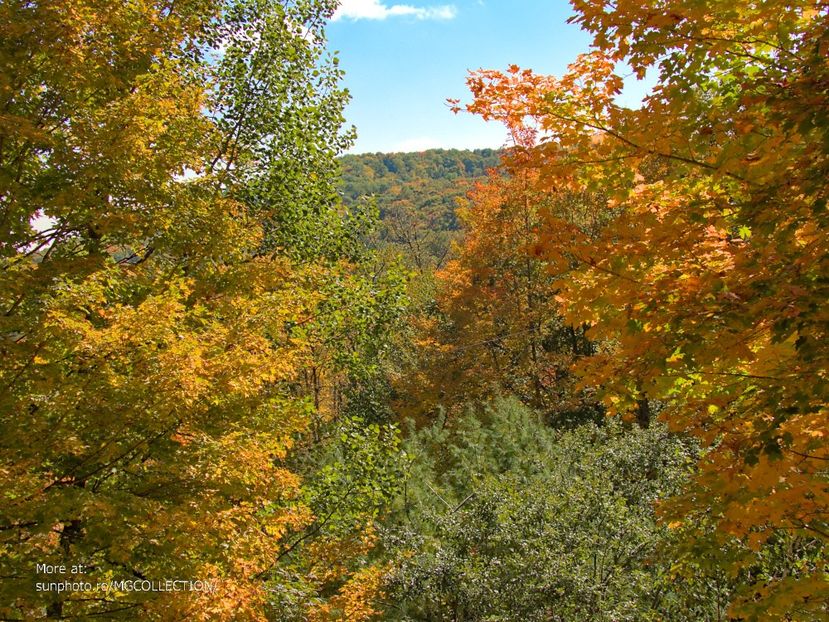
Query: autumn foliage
[709, 277]
[207, 358]
[159, 301]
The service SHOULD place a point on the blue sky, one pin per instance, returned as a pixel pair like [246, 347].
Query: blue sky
[404, 59]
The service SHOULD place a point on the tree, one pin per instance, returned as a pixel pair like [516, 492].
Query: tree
[417, 202]
[495, 326]
[710, 276]
[170, 241]
[333, 571]
[505, 518]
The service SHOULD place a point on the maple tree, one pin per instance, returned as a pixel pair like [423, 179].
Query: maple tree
[710, 275]
[494, 328]
[173, 261]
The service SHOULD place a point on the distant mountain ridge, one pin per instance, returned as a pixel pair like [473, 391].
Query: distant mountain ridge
[428, 181]
[416, 194]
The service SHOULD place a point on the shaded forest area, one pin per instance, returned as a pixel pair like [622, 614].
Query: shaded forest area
[247, 377]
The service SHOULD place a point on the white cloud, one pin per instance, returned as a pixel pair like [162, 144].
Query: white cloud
[375, 9]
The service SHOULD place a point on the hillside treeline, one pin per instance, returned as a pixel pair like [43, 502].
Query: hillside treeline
[416, 195]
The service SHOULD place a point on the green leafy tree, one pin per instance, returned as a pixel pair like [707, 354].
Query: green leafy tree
[170, 242]
[504, 518]
[352, 476]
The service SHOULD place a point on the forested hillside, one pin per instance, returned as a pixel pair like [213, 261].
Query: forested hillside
[434, 178]
[416, 195]
[246, 377]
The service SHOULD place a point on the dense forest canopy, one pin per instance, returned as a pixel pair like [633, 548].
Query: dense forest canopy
[247, 377]
[377, 174]
[416, 195]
